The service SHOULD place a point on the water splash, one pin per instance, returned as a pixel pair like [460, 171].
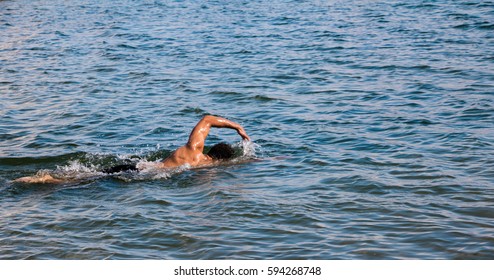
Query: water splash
[249, 149]
[75, 170]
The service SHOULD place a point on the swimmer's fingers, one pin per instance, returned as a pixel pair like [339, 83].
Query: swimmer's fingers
[244, 135]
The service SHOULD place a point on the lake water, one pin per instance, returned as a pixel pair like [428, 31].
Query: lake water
[372, 125]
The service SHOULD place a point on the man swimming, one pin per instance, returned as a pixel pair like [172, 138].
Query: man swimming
[191, 153]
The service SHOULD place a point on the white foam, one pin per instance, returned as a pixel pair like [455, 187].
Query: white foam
[75, 166]
[249, 148]
[144, 165]
[76, 170]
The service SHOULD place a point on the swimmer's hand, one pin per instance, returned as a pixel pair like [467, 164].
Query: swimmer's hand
[243, 134]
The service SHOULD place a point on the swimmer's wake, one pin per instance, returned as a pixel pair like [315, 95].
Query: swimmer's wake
[186, 157]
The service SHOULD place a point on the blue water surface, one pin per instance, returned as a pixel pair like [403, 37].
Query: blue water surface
[372, 126]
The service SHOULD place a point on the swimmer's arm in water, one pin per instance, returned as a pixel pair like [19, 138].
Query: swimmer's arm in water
[201, 130]
[45, 179]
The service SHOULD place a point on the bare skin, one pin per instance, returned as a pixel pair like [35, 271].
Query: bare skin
[191, 153]
[45, 179]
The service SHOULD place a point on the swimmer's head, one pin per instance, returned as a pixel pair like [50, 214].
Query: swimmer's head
[221, 151]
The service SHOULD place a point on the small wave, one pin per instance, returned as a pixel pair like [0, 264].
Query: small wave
[195, 110]
[219, 92]
[263, 98]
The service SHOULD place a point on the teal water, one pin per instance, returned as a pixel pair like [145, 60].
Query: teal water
[372, 122]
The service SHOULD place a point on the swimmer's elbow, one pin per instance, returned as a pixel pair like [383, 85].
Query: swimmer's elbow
[208, 119]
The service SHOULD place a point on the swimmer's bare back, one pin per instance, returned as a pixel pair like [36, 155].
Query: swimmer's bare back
[191, 153]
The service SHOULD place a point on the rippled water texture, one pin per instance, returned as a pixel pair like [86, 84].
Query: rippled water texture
[373, 120]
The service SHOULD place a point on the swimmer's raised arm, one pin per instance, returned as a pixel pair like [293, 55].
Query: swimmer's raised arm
[201, 131]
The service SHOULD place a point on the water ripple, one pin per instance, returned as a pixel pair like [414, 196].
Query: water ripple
[373, 125]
